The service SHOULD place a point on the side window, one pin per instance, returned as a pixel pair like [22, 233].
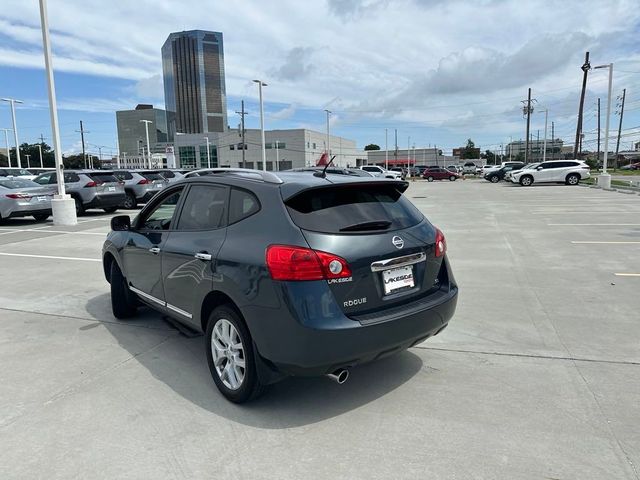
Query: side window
[160, 218]
[71, 178]
[43, 179]
[204, 208]
[242, 204]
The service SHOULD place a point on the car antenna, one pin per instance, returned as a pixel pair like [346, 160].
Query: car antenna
[323, 173]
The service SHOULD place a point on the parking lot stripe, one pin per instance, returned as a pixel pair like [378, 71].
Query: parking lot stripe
[50, 257]
[627, 274]
[588, 212]
[593, 224]
[588, 242]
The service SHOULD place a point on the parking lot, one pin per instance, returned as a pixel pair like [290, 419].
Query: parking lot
[537, 375]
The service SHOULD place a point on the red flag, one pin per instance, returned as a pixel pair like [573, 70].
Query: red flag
[324, 159]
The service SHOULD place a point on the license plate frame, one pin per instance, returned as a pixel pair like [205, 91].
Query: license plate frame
[397, 279]
[111, 189]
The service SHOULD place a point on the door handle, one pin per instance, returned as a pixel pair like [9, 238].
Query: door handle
[203, 256]
[154, 250]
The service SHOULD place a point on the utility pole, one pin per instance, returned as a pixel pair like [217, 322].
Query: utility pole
[553, 141]
[585, 69]
[598, 129]
[277, 165]
[242, 113]
[624, 94]
[82, 131]
[527, 110]
[264, 151]
[40, 151]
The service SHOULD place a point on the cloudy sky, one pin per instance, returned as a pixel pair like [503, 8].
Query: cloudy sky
[438, 71]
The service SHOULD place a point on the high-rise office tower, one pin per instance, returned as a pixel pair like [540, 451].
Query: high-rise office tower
[194, 87]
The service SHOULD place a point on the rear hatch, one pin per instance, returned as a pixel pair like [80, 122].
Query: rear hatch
[25, 192]
[105, 183]
[156, 180]
[387, 244]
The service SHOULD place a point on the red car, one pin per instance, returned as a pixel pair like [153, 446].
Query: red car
[439, 173]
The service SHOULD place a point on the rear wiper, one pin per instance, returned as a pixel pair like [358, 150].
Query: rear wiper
[374, 225]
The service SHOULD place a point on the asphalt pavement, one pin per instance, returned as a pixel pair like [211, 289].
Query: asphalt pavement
[536, 377]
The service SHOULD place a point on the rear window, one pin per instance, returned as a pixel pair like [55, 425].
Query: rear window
[353, 209]
[168, 174]
[123, 175]
[152, 176]
[17, 183]
[103, 177]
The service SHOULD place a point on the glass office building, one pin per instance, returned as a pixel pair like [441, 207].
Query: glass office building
[132, 135]
[194, 85]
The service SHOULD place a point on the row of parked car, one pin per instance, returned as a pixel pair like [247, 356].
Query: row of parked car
[28, 192]
[569, 172]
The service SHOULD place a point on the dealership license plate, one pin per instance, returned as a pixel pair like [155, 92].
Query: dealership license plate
[112, 189]
[42, 199]
[397, 279]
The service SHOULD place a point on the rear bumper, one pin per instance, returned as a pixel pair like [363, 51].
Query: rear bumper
[310, 336]
[30, 212]
[106, 201]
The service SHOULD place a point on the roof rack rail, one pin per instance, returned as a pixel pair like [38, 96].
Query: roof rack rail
[267, 177]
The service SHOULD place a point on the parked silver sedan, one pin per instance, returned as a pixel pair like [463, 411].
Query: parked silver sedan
[24, 198]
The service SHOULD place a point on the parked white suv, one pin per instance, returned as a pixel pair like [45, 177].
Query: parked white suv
[554, 171]
[377, 171]
[470, 167]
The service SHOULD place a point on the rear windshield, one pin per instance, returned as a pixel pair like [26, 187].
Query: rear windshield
[103, 177]
[152, 176]
[168, 174]
[17, 183]
[353, 209]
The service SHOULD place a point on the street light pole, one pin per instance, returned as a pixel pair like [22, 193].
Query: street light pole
[605, 179]
[28, 157]
[146, 127]
[544, 152]
[208, 153]
[6, 143]
[264, 151]
[328, 145]
[40, 151]
[386, 150]
[12, 102]
[62, 205]
[277, 165]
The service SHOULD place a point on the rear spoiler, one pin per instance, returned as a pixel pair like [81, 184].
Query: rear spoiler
[291, 189]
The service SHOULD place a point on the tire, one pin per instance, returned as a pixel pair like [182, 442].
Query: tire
[494, 179]
[225, 320]
[452, 178]
[130, 201]
[430, 179]
[41, 217]
[526, 180]
[123, 301]
[110, 209]
[572, 179]
[79, 206]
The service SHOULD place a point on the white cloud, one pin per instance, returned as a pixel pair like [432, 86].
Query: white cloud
[387, 61]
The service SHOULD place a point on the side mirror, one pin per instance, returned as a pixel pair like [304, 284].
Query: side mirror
[120, 223]
[538, 168]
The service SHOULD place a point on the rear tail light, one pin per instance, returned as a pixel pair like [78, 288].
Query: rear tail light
[287, 262]
[441, 243]
[91, 184]
[144, 181]
[17, 196]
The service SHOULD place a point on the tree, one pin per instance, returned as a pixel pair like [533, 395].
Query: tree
[73, 161]
[31, 149]
[372, 146]
[3, 160]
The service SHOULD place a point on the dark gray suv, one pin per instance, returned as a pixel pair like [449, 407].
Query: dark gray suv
[286, 274]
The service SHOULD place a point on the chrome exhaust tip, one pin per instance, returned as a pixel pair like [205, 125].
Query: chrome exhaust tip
[339, 376]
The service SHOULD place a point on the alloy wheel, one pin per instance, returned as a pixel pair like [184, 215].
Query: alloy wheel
[228, 354]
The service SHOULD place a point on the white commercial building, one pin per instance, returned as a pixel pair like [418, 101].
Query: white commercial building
[414, 156]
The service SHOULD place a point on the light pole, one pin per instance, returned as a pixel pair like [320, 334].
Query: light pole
[510, 146]
[386, 150]
[544, 151]
[40, 151]
[605, 179]
[208, 153]
[12, 102]
[62, 205]
[28, 157]
[146, 127]
[6, 143]
[264, 152]
[277, 166]
[328, 144]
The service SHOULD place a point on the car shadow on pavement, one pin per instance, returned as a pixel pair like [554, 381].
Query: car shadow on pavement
[180, 363]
